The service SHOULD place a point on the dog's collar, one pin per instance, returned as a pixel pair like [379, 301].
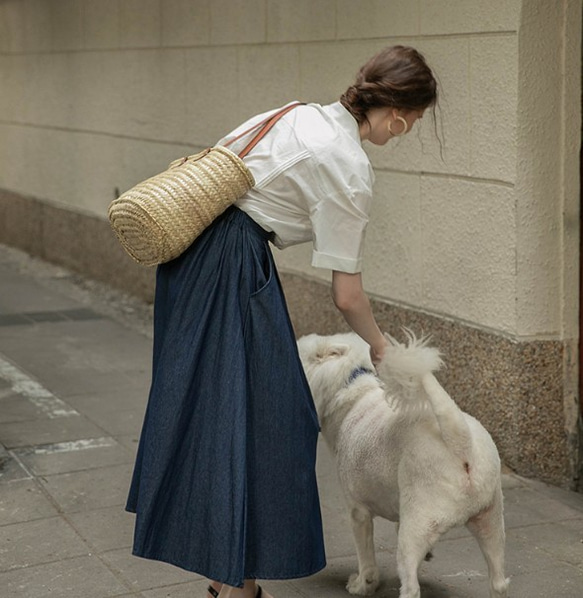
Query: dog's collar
[356, 373]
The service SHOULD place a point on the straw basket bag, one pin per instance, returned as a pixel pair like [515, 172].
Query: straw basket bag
[159, 218]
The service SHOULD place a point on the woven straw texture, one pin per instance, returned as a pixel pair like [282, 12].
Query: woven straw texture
[158, 219]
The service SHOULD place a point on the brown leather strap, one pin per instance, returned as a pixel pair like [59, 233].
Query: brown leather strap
[265, 126]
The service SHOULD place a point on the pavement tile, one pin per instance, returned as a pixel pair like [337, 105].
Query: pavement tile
[23, 500]
[287, 589]
[197, 589]
[557, 581]
[328, 583]
[10, 469]
[47, 431]
[510, 481]
[86, 381]
[105, 529]
[64, 378]
[120, 413]
[73, 358]
[122, 421]
[82, 314]
[455, 533]
[20, 293]
[331, 583]
[440, 589]
[45, 316]
[455, 558]
[458, 560]
[36, 542]
[81, 577]
[526, 506]
[142, 574]
[573, 500]
[16, 408]
[193, 589]
[90, 489]
[76, 455]
[99, 342]
[13, 320]
[112, 400]
[116, 421]
[461, 562]
[130, 442]
[339, 540]
[551, 541]
[459, 565]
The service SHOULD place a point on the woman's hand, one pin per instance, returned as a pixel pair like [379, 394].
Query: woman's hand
[377, 353]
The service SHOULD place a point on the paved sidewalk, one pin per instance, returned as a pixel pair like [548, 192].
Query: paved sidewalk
[74, 375]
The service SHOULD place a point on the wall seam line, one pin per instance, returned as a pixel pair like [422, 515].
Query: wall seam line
[388, 40]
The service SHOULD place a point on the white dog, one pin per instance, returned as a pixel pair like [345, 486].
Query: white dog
[404, 452]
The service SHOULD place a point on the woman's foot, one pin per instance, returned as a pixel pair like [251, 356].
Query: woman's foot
[250, 589]
[214, 589]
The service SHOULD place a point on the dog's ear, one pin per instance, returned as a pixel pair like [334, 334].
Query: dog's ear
[332, 351]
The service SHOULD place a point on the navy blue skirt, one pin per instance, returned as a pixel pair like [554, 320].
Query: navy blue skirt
[224, 483]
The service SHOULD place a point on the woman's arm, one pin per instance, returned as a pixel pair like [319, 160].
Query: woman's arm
[352, 302]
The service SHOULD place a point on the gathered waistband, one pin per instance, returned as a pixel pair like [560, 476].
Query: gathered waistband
[235, 214]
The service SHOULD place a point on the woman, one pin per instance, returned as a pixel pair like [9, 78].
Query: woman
[224, 483]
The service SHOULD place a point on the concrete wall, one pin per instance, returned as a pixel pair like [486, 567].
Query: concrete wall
[474, 240]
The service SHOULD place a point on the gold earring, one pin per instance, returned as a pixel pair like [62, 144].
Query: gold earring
[405, 127]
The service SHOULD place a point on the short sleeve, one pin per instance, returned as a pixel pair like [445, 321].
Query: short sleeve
[339, 211]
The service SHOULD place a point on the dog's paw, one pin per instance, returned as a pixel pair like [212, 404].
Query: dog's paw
[364, 584]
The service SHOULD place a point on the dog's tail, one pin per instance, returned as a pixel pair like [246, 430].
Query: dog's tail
[407, 372]
[404, 366]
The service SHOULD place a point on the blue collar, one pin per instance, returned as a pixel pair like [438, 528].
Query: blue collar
[356, 373]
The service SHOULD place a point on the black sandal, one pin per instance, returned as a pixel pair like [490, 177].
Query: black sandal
[215, 594]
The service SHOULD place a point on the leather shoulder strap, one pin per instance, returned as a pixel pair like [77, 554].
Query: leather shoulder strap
[264, 128]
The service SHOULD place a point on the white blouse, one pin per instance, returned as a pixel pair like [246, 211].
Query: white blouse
[313, 183]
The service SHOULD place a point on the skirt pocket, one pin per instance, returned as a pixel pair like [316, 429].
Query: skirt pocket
[265, 270]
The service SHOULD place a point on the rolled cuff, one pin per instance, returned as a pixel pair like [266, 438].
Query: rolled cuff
[332, 262]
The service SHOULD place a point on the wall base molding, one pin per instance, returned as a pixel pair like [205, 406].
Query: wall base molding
[79, 242]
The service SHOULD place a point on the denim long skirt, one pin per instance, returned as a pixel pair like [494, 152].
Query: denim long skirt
[224, 483]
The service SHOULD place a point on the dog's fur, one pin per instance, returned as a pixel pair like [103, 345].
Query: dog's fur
[404, 452]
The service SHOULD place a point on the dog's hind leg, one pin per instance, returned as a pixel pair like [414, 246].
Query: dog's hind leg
[366, 581]
[488, 529]
[428, 556]
[415, 541]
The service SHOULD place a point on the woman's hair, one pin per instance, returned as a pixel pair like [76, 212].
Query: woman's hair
[396, 77]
